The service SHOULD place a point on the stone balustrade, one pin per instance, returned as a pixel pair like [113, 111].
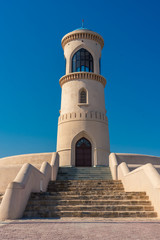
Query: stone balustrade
[81, 76]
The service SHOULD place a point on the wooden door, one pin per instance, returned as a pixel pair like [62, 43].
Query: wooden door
[83, 153]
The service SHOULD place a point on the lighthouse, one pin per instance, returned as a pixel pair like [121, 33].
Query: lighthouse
[83, 136]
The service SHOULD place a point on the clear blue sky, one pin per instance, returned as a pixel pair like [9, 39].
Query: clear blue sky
[32, 61]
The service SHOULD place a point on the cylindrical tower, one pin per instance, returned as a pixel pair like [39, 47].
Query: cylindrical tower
[83, 137]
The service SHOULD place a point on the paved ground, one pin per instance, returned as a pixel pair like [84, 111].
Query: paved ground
[84, 229]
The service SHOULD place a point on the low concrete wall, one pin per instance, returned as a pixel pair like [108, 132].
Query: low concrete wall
[29, 179]
[10, 166]
[54, 165]
[133, 161]
[34, 159]
[145, 178]
[136, 160]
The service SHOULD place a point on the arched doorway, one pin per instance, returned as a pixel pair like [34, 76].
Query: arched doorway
[83, 153]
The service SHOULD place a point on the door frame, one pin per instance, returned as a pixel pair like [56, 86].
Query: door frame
[92, 141]
[90, 152]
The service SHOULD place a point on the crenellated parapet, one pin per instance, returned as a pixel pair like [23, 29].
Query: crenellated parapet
[83, 116]
[82, 75]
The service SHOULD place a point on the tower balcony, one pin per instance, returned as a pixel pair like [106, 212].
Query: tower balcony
[82, 75]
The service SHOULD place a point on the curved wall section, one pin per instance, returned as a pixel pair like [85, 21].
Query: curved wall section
[70, 96]
[93, 129]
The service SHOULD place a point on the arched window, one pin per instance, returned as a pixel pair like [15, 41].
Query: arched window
[82, 61]
[83, 96]
[83, 142]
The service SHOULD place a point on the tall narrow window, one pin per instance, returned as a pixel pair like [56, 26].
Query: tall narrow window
[82, 61]
[83, 97]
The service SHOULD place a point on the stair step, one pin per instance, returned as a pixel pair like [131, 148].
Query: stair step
[91, 170]
[104, 214]
[83, 178]
[81, 188]
[84, 173]
[90, 208]
[82, 168]
[105, 186]
[48, 202]
[85, 188]
[85, 185]
[87, 192]
[82, 182]
[108, 195]
[80, 178]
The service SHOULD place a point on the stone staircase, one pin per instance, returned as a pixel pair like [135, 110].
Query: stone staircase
[84, 173]
[88, 192]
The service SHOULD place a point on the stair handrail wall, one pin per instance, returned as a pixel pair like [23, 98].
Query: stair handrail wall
[10, 166]
[29, 179]
[54, 165]
[113, 164]
[144, 178]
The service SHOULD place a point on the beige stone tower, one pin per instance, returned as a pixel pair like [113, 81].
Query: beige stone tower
[83, 137]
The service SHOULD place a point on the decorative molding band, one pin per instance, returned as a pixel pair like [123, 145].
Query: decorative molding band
[81, 116]
[82, 35]
[82, 75]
